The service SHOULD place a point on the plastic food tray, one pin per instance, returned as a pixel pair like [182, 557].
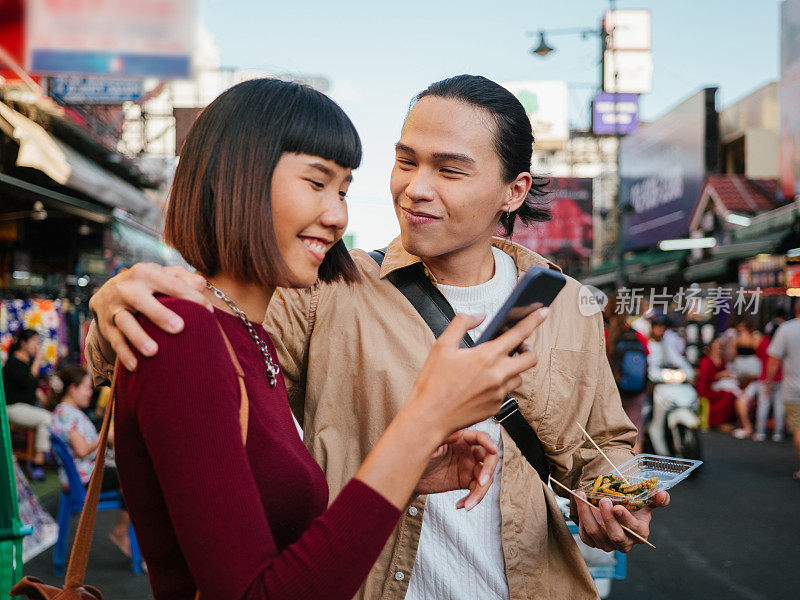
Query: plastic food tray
[669, 470]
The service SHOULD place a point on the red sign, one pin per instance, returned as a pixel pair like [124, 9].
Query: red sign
[570, 231]
[12, 36]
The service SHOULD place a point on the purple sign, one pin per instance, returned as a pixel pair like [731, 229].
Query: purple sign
[615, 113]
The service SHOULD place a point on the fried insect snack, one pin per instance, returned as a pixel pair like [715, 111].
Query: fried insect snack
[632, 496]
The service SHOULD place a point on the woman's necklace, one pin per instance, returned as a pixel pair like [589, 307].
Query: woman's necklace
[272, 368]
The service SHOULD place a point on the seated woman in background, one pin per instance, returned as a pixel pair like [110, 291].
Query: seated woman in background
[715, 383]
[72, 425]
[21, 383]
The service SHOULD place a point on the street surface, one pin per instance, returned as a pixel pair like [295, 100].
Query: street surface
[732, 532]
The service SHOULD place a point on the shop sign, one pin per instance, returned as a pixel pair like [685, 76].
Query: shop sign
[764, 271]
[615, 113]
[663, 165]
[545, 103]
[789, 100]
[570, 230]
[147, 38]
[95, 90]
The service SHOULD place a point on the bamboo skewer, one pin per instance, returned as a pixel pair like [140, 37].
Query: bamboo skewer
[613, 466]
[589, 504]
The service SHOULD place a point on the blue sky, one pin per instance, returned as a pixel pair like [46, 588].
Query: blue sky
[379, 54]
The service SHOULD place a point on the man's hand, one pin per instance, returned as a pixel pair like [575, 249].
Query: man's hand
[466, 461]
[133, 291]
[600, 528]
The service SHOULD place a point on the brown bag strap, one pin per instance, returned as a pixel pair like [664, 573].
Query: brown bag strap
[244, 401]
[79, 556]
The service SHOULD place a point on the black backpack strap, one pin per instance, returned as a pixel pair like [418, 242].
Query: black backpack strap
[436, 311]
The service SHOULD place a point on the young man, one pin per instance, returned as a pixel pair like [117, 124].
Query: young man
[784, 350]
[349, 355]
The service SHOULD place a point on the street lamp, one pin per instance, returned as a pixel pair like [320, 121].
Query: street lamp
[542, 49]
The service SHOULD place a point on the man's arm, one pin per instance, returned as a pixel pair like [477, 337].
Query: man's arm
[100, 356]
[290, 322]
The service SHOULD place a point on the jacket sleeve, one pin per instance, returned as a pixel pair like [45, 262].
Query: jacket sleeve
[607, 423]
[100, 356]
[290, 322]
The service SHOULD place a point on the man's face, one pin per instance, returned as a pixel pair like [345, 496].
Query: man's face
[447, 182]
[657, 332]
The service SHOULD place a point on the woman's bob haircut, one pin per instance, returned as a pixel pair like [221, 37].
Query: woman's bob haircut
[219, 216]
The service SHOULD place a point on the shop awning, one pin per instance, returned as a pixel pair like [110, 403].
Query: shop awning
[708, 269]
[54, 199]
[765, 244]
[64, 165]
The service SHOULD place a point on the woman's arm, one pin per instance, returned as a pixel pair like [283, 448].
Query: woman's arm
[80, 446]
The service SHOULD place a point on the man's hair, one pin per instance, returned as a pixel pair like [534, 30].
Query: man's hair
[219, 216]
[513, 137]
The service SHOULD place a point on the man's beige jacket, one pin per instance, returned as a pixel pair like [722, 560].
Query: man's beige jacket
[350, 355]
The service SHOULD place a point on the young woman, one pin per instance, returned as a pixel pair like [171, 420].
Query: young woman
[71, 424]
[21, 384]
[225, 498]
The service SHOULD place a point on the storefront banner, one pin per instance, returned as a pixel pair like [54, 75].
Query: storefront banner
[570, 230]
[95, 90]
[789, 100]
[44, 317]
[545, 103]
[663, 165]
[147, 38]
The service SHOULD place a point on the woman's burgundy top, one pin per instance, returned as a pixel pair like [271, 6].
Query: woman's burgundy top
[211, 514]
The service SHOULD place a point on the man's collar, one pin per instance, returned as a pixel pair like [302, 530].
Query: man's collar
[397, 257]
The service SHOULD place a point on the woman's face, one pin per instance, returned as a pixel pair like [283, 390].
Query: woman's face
[81, 394]
[31, 346]
[309, 212]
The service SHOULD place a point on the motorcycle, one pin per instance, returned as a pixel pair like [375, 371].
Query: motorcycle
[674, 425]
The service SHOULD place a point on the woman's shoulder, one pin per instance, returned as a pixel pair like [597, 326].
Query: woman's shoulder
[197, 321]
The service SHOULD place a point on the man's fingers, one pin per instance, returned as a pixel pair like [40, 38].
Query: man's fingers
[193, 280]
[160, 315]
[612, 528]
[511, 339]
[630, 520]
[661, 499]
[129, 327]
[459, 326]
[178, 282]
[121, 348]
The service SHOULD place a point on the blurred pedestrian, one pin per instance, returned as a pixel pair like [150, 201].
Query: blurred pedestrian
[22, 393]
[71, 424]
[746, 365]
[765, 400]
[784, 350]
[716, 383]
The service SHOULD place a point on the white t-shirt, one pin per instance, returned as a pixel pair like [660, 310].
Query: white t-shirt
[460, 553]
[785, 345]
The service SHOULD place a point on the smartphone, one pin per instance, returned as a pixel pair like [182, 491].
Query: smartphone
[537, 288]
